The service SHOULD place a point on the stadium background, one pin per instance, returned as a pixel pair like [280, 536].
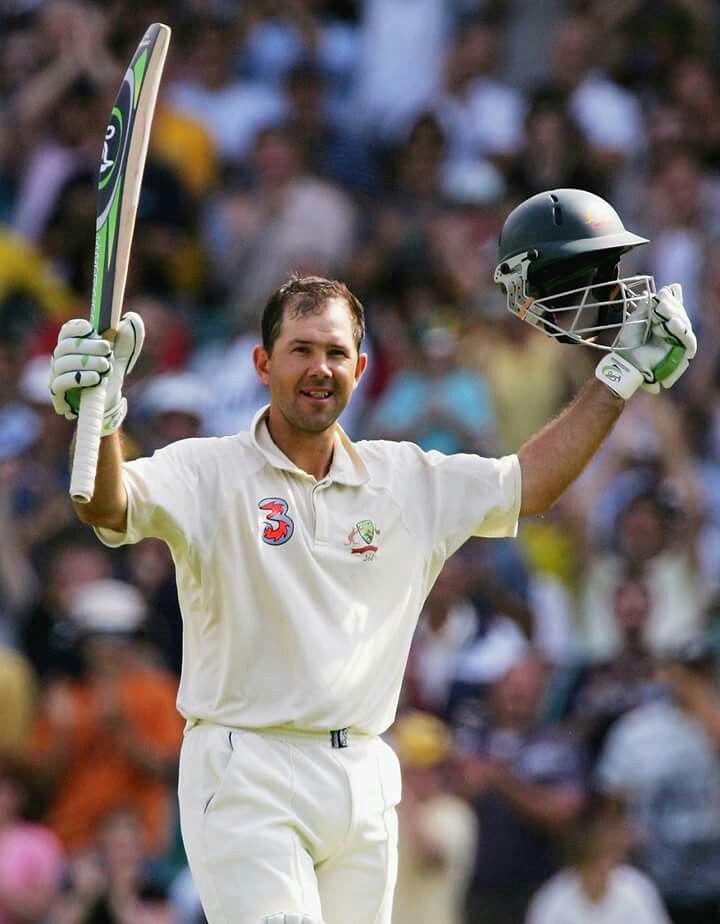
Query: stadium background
[570, 674]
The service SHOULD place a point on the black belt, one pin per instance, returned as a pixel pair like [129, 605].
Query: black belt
[339, 738]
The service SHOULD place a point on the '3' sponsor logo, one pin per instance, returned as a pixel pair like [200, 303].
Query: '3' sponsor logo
[278, 527]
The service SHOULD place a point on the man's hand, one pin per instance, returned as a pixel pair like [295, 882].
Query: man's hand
[664, 356]
[82, 358]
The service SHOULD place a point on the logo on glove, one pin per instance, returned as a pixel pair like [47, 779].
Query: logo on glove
[611, 373]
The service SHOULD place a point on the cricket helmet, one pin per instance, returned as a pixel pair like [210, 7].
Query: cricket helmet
[559, 263]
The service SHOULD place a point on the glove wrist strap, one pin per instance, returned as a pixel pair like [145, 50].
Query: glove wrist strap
[620, 376]
[114, 416]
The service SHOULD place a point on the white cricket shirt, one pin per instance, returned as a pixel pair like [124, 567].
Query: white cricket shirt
[300, 597]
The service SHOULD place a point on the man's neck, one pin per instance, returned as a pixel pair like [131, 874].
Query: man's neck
[311, 452]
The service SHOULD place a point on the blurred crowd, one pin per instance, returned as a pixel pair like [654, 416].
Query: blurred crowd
[559, 726]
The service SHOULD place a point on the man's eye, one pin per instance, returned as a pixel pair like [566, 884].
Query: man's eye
[338, 352]
[300, 349]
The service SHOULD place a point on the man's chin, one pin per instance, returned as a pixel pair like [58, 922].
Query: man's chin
[317, 422]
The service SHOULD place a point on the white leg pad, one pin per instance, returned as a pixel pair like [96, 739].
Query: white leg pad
[288, 917]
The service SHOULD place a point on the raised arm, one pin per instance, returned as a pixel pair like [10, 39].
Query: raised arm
[108, 506]
[554, 457]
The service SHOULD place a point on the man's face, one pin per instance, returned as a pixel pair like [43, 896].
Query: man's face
[313, 368]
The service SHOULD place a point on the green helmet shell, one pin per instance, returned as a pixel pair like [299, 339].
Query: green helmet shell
[563, 223]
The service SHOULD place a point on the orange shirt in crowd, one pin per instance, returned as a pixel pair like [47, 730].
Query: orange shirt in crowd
[100, 773]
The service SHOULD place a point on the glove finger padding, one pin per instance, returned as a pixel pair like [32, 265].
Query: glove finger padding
[82, 346]
[129, 341]
[77, 327]
[68, 380]
[74, 363]
[676, 290]
[669, 316]
[64, 384]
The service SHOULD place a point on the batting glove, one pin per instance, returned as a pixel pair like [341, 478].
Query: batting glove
[82, 359]
[662, 358]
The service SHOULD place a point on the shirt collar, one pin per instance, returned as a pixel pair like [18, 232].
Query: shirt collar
[346, 467]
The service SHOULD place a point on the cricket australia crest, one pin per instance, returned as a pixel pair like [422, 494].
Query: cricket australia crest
[361, 539]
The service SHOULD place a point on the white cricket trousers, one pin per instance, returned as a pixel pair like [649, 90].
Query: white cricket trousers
[277, 821]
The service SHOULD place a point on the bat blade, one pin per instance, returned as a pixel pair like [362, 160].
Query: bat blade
[118, 192]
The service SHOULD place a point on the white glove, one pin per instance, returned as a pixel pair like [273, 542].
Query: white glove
[82, 358]
[664, 356]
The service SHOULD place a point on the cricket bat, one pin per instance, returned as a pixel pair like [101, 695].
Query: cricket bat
[118, 192]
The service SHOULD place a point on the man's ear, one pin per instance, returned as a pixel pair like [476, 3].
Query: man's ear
[261, 361]
[360, 368]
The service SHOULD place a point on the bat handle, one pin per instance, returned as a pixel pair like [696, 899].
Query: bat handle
[87, 443]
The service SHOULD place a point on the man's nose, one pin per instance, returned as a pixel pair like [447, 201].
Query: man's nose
[320, 365]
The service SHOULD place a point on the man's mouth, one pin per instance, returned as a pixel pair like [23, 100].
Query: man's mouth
[316, 394]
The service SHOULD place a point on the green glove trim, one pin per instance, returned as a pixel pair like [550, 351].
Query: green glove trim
[670, 363]
[73, 399]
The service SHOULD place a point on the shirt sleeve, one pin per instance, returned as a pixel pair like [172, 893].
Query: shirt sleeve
[161, 493]
[474, 496]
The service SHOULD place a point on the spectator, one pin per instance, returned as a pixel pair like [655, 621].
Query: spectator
[393, 38]
[598, 887]
[332, 150]
[492, 582]
[695, 92]
[438, 404]
[281, 36]
[31, 858]
[526, 783]
[437, 830]
[233, 111]
[609, 116]
[32, 292]
[17, 699]
[416, 170]
[496, 347]
[41, 506]
[47, 634]
[167, 336]
[113, 883]
[62, 106]
[172, 407]
[149, 567]
[237, 393]
[286, 220]
[606, 690]
[184, 144]
[683, 209]
[448, 623]
[646, 548]
[633, 462]
[18, 581]
[662, 760]
[482, 117]
[112, 736]
[553, 153]
[667, 25]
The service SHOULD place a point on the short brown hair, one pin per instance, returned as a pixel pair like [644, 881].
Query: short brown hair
[305, 295]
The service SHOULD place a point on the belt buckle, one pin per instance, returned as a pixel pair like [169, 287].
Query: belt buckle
[339, 738]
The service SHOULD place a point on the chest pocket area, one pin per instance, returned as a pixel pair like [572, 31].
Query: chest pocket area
[373, 539]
